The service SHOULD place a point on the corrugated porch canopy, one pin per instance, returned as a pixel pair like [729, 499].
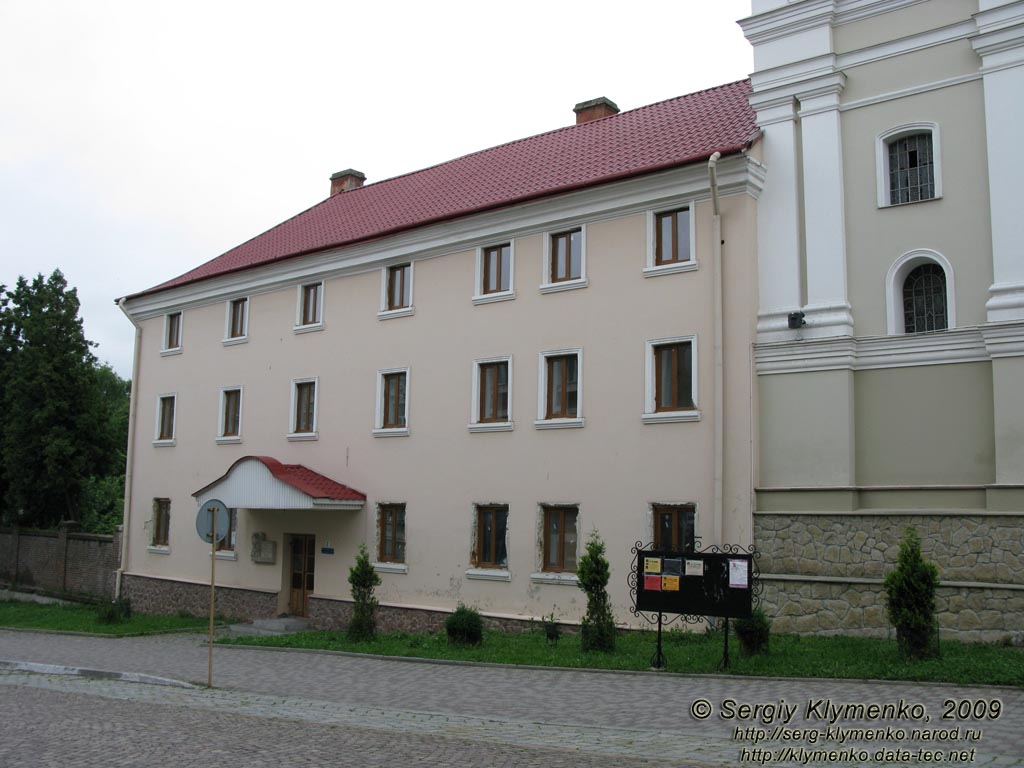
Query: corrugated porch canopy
[262, 482]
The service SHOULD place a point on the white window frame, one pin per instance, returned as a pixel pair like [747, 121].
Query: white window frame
[540, 576]
[479, 297]
[229, 340]
[546, 286]
[387, 314]
[164, 349]
[477, 573]
[897, 275]
[315, 434]
[475, 425]
[882, 142]
[318, 325]
[174, 420]
[652, 269]
[651, 415]
[223, 439]
[542, 391]
[378, 418]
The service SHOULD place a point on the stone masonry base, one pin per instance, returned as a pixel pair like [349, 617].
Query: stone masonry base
[168, 598]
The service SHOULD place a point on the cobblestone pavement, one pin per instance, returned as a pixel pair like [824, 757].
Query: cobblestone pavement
[498, 715]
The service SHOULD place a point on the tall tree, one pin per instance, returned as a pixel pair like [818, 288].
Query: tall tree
[51, 413]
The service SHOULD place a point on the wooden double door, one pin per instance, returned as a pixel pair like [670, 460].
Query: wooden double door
[301, 578]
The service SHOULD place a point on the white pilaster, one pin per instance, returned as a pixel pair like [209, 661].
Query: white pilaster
[828, 308]
[1000, 44]
[778, 219]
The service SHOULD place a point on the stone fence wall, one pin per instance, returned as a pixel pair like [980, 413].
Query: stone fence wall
[823, 573]
[61, 562]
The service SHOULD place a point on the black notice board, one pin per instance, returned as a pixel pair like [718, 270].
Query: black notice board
[695, 583]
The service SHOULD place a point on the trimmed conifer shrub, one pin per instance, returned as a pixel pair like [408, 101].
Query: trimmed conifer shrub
[910, 598]
[597, 630]
[465, 627]
[362, 578]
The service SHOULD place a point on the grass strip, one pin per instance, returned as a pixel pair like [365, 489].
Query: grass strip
[85, 618]
[694, 652]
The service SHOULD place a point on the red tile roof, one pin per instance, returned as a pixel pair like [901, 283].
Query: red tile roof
[652, 138]
[301, 478]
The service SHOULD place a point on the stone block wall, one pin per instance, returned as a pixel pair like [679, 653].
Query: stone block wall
[823, 573]
[163, 597]
[60, 562]
[334, 615]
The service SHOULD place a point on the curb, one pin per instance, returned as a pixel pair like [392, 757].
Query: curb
[92, 674]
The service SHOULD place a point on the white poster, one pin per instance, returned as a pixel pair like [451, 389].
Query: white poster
[738, 574]
[694, 567]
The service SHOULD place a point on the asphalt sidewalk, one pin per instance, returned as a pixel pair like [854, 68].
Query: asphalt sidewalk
[699, 720]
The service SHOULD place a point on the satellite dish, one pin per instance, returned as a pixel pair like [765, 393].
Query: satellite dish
[211, 510]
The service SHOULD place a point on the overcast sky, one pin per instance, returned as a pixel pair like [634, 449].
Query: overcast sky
[139, 139]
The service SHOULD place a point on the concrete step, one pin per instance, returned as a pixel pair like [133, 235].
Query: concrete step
[284, 625]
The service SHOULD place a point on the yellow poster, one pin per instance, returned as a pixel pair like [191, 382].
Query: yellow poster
[669, 583]
[652, 565]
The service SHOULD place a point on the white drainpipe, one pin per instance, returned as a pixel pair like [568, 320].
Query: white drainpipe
[130, 452]
[719, 410]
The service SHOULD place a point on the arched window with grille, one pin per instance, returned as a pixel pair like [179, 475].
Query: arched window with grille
[924, 299]
[920, 293]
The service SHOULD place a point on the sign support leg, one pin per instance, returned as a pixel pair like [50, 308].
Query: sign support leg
[213, 572]
[658, 662]
[725, 657]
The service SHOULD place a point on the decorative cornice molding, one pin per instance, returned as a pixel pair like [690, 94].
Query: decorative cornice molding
[1006, 302]
[737, 174]
[958, 345]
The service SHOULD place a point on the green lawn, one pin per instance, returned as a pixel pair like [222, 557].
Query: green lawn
[790, 655]
[85, 618]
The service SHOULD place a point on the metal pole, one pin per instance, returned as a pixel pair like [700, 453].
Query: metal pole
[725, 658]
[213, 572]
[658, 662]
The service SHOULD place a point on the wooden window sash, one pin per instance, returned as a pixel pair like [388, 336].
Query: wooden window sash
[677, 250]
[562, 378]
[232, 412]
[173, 340]
[305, 405]
[162, 522]
[227, 544]
[561, 255]
[562, 514]
[494, 540]
[398, 287]
[491, 396]
[496, 265]
[391, 518]
[166, 418]
[394, 397]
[681, 519]
[675, 362]
[237, 329]
[311, 303]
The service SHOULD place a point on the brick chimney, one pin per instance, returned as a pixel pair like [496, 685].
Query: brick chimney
[594, 109]
[343, 181]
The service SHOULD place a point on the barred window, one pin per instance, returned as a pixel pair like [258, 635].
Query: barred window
[911, 169]
[924, 299]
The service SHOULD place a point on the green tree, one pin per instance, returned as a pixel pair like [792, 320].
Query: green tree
[910, 598]
[597, 631]
[54, 435]
[363, 579]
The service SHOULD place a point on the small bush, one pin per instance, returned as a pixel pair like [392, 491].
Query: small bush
[465, 627]
[910, 598]
[115, 612]
[754, 633]
[362, 578]
[597, 630]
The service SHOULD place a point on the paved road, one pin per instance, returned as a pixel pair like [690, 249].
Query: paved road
[328, 709]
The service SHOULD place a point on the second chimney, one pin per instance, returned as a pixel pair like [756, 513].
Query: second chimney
[594, 110]
[343, 181]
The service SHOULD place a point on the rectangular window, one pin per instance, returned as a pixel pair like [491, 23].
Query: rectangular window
[567, 256]
[672, 237]
[911, 169]
[238, 313]
[493, 391]
[560, 538]
[231, 413]
[172, 328]
[491, 528]
[399, 287]
[165, 417]
[562, 387]
[673, 377]
[497, 269]
[674, 527]
[161, 523]
[393, 405]
[228, 542]
[391, 521]
[305, 407]
[310, 304]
